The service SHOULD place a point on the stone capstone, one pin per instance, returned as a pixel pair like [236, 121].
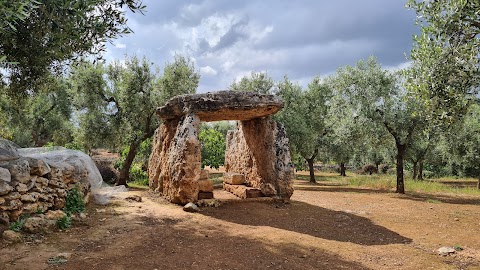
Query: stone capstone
[222, 105]
[205, 185]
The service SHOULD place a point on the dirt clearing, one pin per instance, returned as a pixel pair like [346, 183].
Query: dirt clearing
[323, 227]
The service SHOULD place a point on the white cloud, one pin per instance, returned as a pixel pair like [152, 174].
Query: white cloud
[120, 45]
[208, 71]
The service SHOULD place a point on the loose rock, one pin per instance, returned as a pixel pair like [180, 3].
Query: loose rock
[191, 207]
[444, 251]
[12, 236]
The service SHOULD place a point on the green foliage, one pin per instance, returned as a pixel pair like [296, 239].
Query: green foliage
[212, 146]
[74, 202]
[446, 57]
[258, 82]
[179, 77]
[64, 222]
[39, 118]
[18, 225]
[56, 32]
[138, 175]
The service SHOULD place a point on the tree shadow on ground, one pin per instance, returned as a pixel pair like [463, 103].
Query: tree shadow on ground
[440, 198]
[414, 196]
[177, 246]
[308, 219]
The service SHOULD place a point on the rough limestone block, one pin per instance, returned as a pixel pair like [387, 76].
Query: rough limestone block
[5, 188]
[38, 166]
[5, 175]
[205, 185]
[204, 174]
[19, 170]
[243, 192]
[205, 195]
[234, 178]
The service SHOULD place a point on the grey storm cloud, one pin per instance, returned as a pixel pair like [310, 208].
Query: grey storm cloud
[301, 39]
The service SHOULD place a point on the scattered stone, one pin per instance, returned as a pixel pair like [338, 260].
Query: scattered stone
[456, 219]
[55, 215]
[5, 175]
[60, 258]
[38, 224]
[234, 178]
[205, 185]
[191, 207]
[134, 198]
[209, 203]
[12, 236]
[444, 251]
[243, 192]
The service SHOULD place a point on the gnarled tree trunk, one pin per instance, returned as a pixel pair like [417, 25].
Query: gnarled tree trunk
[311, 169]
[124, 173]
[342, 169]
[400, 157]
[415, 169]
[420, 170]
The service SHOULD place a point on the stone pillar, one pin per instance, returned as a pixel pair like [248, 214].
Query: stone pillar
[259, 150]
[175, 162]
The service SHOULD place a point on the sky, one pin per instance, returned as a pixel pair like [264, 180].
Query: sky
[229, 39]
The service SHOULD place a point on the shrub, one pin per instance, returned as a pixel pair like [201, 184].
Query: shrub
[18, 225]
[383, 168]
[138, 175]
[369, 168]
[64, 222]
[74, 202]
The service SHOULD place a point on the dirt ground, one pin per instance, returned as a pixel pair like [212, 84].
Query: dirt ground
[323, 227]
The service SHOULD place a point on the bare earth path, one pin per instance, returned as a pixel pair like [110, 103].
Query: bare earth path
[324, 227]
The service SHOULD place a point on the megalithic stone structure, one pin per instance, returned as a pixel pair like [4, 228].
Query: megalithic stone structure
[257, 149]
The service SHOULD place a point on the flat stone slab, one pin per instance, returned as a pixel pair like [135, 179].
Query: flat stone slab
[234, 178]
[222, 105]
[242, 191]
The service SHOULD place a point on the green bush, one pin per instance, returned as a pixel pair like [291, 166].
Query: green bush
[138, 175]
[74, 202]
[18, 225]
[64, 222]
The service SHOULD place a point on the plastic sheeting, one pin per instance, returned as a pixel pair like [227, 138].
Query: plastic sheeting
[81, 162]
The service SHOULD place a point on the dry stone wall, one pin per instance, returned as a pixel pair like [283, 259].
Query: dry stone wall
[29, 185]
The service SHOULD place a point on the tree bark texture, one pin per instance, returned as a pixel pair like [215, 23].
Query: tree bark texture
[400, 179]
[415, 169]
[311, 169]
[342, 169]
[124, 173]
[420, 170]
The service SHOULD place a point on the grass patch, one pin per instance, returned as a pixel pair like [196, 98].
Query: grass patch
[18, 225]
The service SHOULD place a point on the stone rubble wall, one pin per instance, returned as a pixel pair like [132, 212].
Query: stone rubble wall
[259, 150]
[31, 185]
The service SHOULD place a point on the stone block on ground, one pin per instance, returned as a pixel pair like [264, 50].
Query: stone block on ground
[234, 178]
[242, 191]
[204, 174]
[205, 195]
[205, 185]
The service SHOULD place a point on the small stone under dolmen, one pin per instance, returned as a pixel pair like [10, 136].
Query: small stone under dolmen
[234, 178]
[257, 149]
